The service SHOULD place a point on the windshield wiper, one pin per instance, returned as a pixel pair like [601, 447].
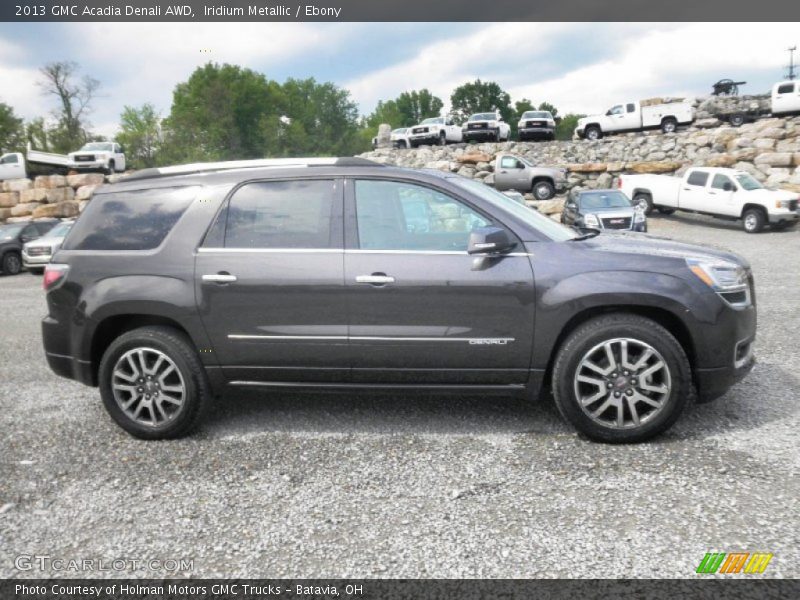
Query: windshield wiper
[586, 236]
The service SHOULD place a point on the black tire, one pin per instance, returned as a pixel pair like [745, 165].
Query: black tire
[12, 263]
[737, 120]
[669, 125]
[592, 133]
[404, 144]
[753, 220]
[543, 190]
[593, 334]
[645, 201]
[665, 210]
[112, 167]
[179, 349]
[443, 139]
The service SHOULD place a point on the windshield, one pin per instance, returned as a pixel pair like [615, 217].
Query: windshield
[101, 146]
[537, 114]
[8, 232]
[59, 230]
[483, 117]
[600, 200]
[545, 225]
[432, 121]
[748, 182]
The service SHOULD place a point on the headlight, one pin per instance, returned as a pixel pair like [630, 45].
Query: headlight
[521, 125]
[638, 215]
[728, 279]
[783, 204]
[591, 221]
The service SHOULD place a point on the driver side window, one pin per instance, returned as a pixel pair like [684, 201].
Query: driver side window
[720, 182]
[392, 215]
[616, 110]
[509, 162]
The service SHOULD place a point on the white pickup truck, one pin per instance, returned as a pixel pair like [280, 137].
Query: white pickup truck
[723, 193]
[15, 165]
[636, 116]
[435, 130]
[105, 156]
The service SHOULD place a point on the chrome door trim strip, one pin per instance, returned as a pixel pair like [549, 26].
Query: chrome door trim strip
[204, 250]
[375, 338]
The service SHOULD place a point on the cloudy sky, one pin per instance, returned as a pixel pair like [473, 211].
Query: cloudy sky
[581, 67]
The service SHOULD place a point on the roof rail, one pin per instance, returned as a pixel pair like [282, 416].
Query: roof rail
[261, 163]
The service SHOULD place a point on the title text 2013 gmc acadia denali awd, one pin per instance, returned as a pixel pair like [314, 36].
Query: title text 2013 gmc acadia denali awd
[340, 273]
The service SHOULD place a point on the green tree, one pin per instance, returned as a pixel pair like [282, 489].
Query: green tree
[36, 134]
[140, 134]
[549, 108]
[12, 131]
[416, 105]
[566, 126]
[522, 106]
[218, 113]
[74, 95]
[480, 96]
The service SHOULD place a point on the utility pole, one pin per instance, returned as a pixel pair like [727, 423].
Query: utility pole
[791, 62]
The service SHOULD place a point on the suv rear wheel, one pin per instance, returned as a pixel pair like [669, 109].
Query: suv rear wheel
[621, 379]
[153, 384]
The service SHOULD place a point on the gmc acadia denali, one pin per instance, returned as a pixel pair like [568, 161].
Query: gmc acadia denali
[181, 282]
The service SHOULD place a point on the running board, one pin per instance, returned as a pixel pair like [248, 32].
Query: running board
[433, 387]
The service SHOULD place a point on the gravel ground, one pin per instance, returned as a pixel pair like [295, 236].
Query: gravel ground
[360, 486]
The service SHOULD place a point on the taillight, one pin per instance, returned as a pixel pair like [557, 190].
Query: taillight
[619, 182]
[54, 274]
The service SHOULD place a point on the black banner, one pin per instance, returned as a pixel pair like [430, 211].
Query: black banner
[399, 10]
[387, 589]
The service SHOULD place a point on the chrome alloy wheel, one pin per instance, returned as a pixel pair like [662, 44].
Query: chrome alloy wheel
[148, 386]
[622, 383]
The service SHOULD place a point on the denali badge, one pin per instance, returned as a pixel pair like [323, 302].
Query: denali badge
[490, 341]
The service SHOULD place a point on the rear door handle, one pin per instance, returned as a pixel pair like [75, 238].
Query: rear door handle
[219, 278]
[375, 279]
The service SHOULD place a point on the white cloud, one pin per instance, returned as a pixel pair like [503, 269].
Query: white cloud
[18, 88]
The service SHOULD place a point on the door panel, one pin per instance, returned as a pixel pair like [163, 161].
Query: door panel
[421, 309]
[270, 286]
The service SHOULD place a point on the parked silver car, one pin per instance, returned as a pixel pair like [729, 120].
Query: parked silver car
[36, 254]
[515, 173]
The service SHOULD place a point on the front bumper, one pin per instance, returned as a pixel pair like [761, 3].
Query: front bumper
[85, 166]
[535, 132]
[784, 217]
[478, 134]
[35, 261]
[713, 383]
[424, 138]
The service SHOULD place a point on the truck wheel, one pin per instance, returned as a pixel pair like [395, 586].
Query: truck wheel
[736, 119]
[443, 139]
[12, 264]
[669, 125]
[543, 190]
[753, 220]
[153, 384]
[621, 379]
[593, 133]
[111, 167]
[644, 201]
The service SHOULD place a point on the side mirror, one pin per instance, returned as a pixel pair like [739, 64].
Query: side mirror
[489, 240]
[27, 238]
[608, 112]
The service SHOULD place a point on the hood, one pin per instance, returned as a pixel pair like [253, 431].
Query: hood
[765, 195]
[622, 211]
[52, 242]
[638, 244]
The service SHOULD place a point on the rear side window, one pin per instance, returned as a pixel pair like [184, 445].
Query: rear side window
[131, 220]
[631, 108]
[786, 88]
[698, 178]
[281, 214]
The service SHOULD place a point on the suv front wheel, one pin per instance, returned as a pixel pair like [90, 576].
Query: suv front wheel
[621, 379]
[153, 384]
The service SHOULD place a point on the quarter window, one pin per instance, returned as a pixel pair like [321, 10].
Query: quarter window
[400, 216]
[281, 214]
[698, 178]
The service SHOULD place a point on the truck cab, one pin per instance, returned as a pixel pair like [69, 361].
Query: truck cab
[786, 97]
[12, 166]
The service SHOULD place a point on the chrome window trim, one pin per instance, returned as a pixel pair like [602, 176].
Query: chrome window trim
[349, 251]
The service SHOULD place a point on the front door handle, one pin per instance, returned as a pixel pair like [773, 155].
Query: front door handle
[375, 279]
[219, 278]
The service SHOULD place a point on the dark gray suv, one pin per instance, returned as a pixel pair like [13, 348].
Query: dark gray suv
[180, 283]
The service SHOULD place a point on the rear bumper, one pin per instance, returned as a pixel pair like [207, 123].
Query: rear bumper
[57, 352]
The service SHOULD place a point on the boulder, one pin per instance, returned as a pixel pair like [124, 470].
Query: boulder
[24, 209]
[4, 213]
[721, 160]
[9, 199]
[85, 192]
[775, 159]
[764, 143]
[474, 158]
[82, 204]
[62, 194]
[588, 168]
[707, 123]
[33, 195]
[384, 136]
[654, 167]
[549, 207]
[50, 181]
[63, 209]
[82, 179]
[796, 159]
[17, 185]
[18, 219]
[774, 133]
